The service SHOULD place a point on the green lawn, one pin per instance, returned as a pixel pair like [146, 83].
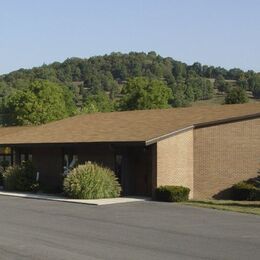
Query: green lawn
[250, 207]
[219, 99]
[216, 100]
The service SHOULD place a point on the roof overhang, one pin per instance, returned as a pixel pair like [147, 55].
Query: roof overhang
[162, 137]
[202, 125]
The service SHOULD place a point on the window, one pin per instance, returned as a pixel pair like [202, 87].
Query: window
[69, 162]
[25, 156]
[5, 156]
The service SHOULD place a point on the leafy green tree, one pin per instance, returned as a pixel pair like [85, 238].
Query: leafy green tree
[235, 73]
[20, 83]
[180, 97]
[41, 102]
[202, 88]
[190, 93]
[110, 73]
[254, 85]
[143, 93]
[4, 89]
[207, 89]
[99, 102]
[236, 96]
[221, 84]
[45, 72]
[197, 67]
[93, 83]
[242, 82]
[218, 71]
[253, 81]
[179, 69]
[256, 91]
[227, 87]
[69, 99]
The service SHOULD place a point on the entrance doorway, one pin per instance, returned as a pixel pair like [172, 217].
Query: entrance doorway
[133, 168]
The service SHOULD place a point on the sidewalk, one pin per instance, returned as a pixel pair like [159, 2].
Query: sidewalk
[96, 202]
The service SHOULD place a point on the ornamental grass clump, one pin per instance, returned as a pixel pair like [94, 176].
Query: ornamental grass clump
[20, 178]
[91, 181]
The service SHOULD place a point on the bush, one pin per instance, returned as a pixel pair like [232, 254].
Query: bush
[236, 96]
[1, 176]
[91, 181]
[20, 178]
[245, 191]
[3, 165]
[172, 193]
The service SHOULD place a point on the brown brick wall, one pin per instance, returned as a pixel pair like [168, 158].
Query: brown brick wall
[175, 161]
[223, 155]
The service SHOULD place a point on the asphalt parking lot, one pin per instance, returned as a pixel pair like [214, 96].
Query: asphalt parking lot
[36, 229]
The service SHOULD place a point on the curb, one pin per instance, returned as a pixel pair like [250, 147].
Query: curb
[94, 202]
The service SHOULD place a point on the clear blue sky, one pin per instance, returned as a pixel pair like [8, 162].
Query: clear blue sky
[221, 32]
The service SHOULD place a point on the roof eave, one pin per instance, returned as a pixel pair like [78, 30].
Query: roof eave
[227, 120]
[162, 137]
[202, 125]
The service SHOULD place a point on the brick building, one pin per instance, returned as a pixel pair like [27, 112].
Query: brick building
[207, 149]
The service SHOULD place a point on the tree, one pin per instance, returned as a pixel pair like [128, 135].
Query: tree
[41, 102]
[207, 89]
[143, 93]
[254, 85]
[179, 99]
[202, 88]
[197, 67]
[4, 89]
[99, 102]
[236, 96]
[235, 73]
[181, 94]
[256, 91]
[221, 84]
[109, 73]
[242, 82]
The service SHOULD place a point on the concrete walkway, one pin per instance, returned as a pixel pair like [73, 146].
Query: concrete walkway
[96, 202]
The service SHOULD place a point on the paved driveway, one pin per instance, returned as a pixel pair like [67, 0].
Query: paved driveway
[35, 229]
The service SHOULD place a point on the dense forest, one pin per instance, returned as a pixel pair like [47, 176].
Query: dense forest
[116, 82]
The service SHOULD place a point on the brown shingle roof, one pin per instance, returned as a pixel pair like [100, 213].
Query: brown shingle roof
[129, 126]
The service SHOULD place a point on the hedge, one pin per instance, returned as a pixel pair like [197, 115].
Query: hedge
[245, 191]
[172, 193]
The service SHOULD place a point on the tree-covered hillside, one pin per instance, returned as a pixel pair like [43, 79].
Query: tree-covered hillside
[115, 82]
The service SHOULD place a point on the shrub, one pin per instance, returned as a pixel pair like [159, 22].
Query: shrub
[91, 181]
[245, 191]
[256, 194]
[236, 96]
[3, 165]
[1, 175]
[256, 91]
[20, 177]
[172, 193]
